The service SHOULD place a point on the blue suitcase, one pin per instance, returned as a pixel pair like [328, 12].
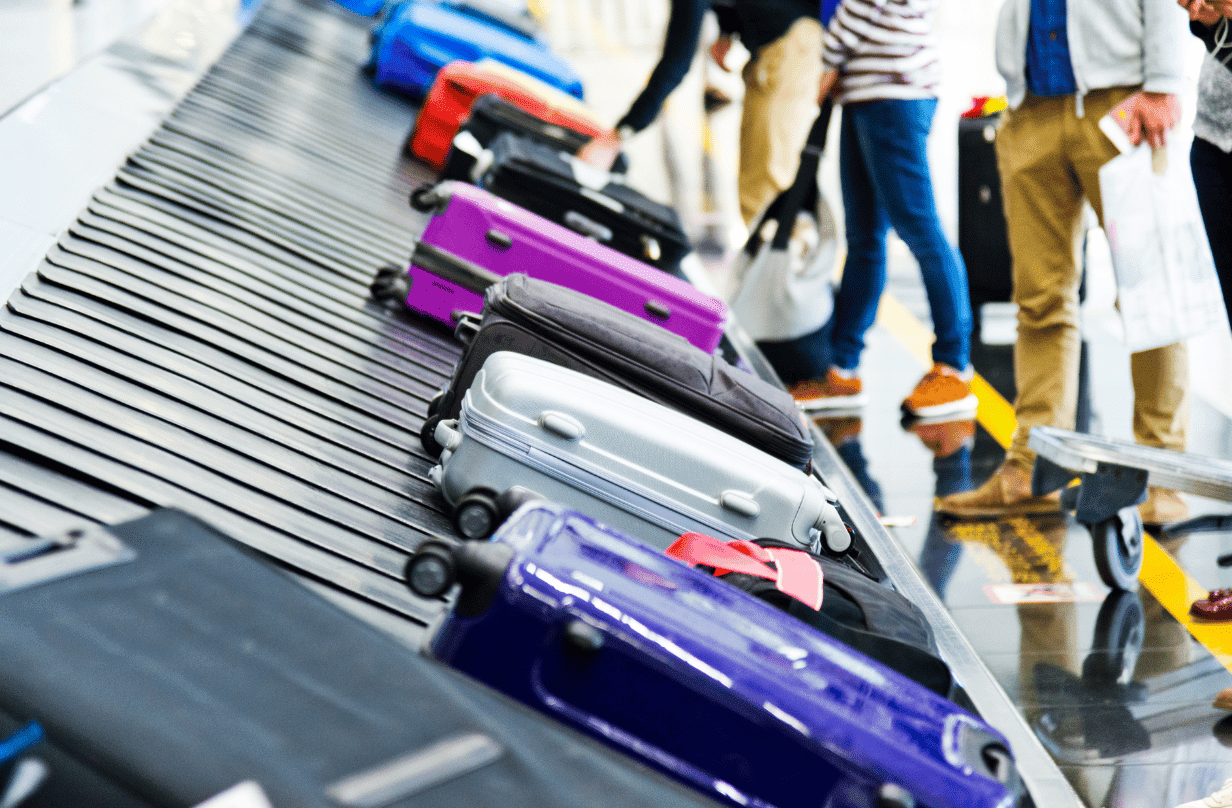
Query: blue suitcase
[415, 39]
[690, 674]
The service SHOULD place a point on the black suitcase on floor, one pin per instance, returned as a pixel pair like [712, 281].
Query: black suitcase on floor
[490, 115]
[569, 328]
[176, 663]
[557, 187]
[982, 238]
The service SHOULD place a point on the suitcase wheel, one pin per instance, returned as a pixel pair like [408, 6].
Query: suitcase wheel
[476, 515]
[389, 285]
[430, 571]
[434, 404]
[427, 436]
[425, 199]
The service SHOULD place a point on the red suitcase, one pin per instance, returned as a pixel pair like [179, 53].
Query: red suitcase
[459, 83]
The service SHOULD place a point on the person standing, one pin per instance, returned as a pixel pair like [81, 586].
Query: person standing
[1210, 157]
[1068, 64]
[881, 63]
[684, 28]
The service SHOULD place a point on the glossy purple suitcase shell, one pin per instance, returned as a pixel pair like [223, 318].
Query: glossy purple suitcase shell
[714, 686]
[475, 239]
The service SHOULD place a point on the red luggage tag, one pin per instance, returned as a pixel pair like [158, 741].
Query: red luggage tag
[795, 572]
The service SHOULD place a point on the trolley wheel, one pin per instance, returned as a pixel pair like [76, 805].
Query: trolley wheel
[476, 515]
[427, 436]
[1120, 631]
[434, 403]
[430, 571]
[389, 284]
[423, 198]
[1119, 548]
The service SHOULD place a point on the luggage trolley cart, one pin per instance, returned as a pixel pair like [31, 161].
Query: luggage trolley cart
[1114, 475]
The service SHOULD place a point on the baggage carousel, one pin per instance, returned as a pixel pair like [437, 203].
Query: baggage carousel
[198, 331]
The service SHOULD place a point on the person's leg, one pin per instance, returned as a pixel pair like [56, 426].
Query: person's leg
[1160, 376]
[894, 139]
[1043, 207]
[780, 105]
[855, 303]
[864, 271]
[1212, 173]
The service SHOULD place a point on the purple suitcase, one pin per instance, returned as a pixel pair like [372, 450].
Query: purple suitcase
[689, 673]
[475, 239]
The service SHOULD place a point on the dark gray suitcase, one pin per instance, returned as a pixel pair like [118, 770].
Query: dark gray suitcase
[175, 663]
[572, 329]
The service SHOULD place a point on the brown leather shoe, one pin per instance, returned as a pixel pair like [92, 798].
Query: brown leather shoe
[1163, 506]
[1224, 700]
[1216, 606]
[1006, 493]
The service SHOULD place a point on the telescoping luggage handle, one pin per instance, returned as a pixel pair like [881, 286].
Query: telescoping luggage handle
[790, 202]
[795, 572]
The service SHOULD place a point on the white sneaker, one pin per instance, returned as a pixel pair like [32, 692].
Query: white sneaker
[1220, 799]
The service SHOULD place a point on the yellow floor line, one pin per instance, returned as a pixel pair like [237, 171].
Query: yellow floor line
[1161, 575]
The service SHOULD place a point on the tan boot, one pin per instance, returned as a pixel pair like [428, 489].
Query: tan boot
[1007, 492]
[1223, 701]
[1163, 506]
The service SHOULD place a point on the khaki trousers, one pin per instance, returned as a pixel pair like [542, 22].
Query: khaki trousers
[780, 105]
[1049, 160]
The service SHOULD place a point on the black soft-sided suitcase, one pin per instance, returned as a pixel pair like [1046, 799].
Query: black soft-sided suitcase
[561, 188]
[569, 328]
[982, 238]
[490, 115]
[865, 615]
[189, 665]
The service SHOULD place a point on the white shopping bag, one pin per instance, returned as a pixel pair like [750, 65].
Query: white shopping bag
[1167, 287]
[783, 291]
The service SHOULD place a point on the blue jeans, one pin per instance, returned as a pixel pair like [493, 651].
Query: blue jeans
[883, 164]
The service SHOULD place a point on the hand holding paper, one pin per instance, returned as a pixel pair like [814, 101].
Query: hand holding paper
[1147, 116]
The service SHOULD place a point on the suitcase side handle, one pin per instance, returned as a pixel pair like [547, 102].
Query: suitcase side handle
[451, 268]
[30, 562]
[587, 226]
[739, 502]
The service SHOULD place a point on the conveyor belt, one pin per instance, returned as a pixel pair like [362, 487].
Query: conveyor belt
[201, 336]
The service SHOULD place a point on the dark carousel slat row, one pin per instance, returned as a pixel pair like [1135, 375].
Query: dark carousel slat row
[202, 335]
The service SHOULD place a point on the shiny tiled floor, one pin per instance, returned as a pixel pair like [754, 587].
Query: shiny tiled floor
[1116, 688]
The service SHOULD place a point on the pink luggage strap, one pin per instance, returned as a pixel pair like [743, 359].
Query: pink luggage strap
[795, 572]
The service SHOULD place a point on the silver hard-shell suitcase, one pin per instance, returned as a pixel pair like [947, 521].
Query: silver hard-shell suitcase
[529, 428]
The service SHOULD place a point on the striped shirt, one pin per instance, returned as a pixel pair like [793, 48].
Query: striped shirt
[883, 49]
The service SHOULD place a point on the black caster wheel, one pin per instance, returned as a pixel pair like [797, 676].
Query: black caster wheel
[427, 436]
[476, 515]
[514, 498]
[434, 403]
[1118, 544]
[389, 284]
[431, 570]
[423, 198]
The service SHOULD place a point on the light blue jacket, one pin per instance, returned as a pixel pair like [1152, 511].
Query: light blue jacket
[1113, 43]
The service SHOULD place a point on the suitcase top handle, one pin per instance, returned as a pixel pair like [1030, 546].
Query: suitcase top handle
[794, 573]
